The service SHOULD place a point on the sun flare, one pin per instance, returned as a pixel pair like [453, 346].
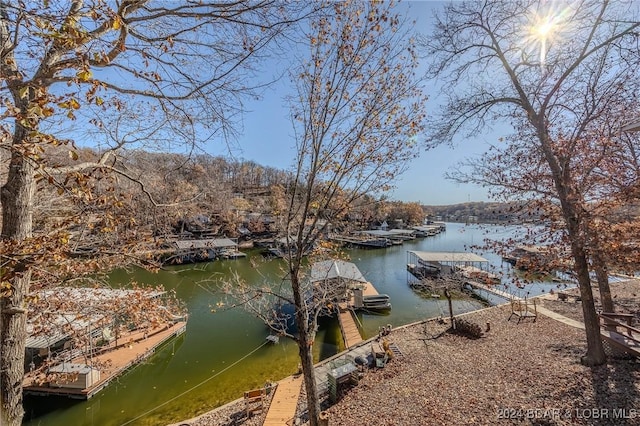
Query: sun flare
[546, 28]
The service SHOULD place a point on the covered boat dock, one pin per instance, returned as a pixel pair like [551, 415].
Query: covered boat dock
[106, 343]
[392, 234]
[423, 264]
[189, 251]
[343, 282]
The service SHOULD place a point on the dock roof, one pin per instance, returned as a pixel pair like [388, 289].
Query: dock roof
[60, 328]
[202, 244]
[88, 312]
[388, 233]
[329, 269]
[456, 257]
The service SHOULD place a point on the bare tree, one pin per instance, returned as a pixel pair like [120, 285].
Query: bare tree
[551, 74]
[604, 169]
[358, 112]
[182, 66]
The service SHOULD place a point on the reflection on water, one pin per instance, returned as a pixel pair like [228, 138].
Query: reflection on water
[223, 354]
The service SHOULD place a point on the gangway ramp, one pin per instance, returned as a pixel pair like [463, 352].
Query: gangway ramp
[282, 409]
[492, 290]
[348, 326]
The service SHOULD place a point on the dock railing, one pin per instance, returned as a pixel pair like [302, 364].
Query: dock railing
[627, 339]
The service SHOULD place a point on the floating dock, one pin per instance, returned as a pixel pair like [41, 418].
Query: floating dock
[345, 280]
[204, 250]
[369, 290]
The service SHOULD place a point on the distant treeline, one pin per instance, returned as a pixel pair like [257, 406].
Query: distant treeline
[485, 212]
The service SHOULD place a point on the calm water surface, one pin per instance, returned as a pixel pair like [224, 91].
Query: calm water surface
[222, 354]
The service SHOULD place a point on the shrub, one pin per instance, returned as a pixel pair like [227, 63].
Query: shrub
[468, 328]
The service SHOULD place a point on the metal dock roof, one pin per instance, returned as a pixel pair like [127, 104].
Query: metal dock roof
[329, 269]
[202, 244]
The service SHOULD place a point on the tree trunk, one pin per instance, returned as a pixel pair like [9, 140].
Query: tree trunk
[448, 296]
[305, 346]
[595, 351]
[16, 197]
[569, 204]
[602, 276]
[311, 388]
[13, 335]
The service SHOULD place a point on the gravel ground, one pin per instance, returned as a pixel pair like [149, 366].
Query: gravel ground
[231, 414]
[525, 374]
[626, 298]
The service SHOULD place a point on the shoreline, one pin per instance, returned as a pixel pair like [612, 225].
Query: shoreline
[539, 358]
[232, 410]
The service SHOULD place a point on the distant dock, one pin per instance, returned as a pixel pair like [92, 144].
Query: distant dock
[362, 242]
[382, 238]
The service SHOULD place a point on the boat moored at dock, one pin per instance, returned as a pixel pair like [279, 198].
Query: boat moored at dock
[378, 302]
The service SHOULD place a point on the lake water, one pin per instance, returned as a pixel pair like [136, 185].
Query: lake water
[222, 354]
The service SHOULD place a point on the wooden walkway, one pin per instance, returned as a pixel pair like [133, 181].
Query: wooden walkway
[492, 290]
[282, 409]
[350, 333]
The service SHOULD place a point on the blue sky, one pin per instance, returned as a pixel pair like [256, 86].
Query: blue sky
[267, 138]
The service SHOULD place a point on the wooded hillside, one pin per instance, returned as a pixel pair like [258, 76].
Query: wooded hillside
[487, 212]
[166, 193]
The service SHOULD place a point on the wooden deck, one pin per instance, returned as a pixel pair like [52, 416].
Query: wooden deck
[282, 409]
[369, 290]
[350, 333]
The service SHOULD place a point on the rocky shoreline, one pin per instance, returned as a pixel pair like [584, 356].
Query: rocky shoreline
[516, 373]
